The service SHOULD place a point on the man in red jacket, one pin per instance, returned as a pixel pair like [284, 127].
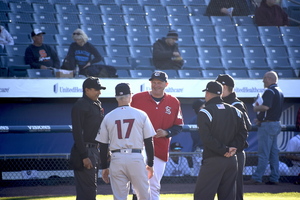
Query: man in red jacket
[165, 115]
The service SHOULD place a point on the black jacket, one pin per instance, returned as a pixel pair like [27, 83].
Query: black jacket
[221, 126]
[163, 54]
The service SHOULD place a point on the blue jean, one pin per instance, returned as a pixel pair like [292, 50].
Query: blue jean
[268, 151]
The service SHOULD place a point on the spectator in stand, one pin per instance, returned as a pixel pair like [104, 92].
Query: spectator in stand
[165, 52]
[177, 165]
[5, 38]
[39, 55]
[228, 8]
[83, 54]
[269, 13]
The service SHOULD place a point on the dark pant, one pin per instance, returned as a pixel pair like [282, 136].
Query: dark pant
[86, 179]
[239, 179]
[217, 176]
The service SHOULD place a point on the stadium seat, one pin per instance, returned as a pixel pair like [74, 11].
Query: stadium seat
[295, 63]
[294, 52]
[149, 2]
[88, 9]
[233, 63]
[91, 19]
[66, 8]
[158, 20]
[113, 20]
[67, 29]
[92, 29]
[21, 7]
[212, 73]
[155, 10]
[243, 20]
[60, 1]
[191, 63]
[140, 40]
[186, 41]
[187, 52]
[237, 73]
[269, 30]
[45, 18]
[160, 31]
[18, 28]
[179, 20]
[62, 51]
[200, 20]
[276, 52]
[172, 73]
[249, 31]
[111, 9]
[194, 2]
[43, 8]
[15, 50]
[249, 41]
[101, 49]
[201, 31]
[50, 39]
[118, 40]
[118, 62]
[104, 2]
[63, 39]
[210, 63]
[126, 2]
[256, 63]
[276, 63]
[16, 65]
[291, 40]
[4, 7]
[221, 20]
[7, 19]
[223, 30]
[137, 30]
[174, 10]
[96, 39]
[183, 30]
[141, 63]
[40, 73]
[285, 73]
[138, 52]
[133, 10]
[232, 52]
[257, 73]
[63, 18]
[18, 18]
[135, 20]
[22, 39]
[254, 52]
[207, 41]
[209, 52]
[271, 40]
[289, 30]
[224, 41]
[197, 10]
[47, 28]
[123, 73]
[115, 30]
[170, 3]
[117, 51]
[77, 2]
[189, 73]
[140, 73]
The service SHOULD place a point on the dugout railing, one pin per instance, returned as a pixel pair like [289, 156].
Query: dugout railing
[53, 169]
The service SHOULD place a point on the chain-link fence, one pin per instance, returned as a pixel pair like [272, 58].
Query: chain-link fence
[183, 167]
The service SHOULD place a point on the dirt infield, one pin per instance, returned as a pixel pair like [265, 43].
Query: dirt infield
[69, 190]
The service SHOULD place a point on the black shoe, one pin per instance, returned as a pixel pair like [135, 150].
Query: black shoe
[252, 182]
[134, 197]
[272, 183]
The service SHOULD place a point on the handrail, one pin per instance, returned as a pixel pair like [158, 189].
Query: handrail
[68, 128]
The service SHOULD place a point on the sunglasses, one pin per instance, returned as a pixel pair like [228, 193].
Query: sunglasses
[76, 34]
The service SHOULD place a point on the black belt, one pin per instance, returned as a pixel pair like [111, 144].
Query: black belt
[124, 151]
[91, 145]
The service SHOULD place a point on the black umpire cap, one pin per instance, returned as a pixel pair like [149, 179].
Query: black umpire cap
[214, 87]
[93, 82]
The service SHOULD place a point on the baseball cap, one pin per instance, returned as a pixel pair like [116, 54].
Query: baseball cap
[225, 79]
[162, 76]
[172, 34]
[37, 32]
[93, 82]
[122, 89]
[214, 87]
[176, 146]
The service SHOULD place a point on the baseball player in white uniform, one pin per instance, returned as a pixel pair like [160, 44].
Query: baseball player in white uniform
[125, 131]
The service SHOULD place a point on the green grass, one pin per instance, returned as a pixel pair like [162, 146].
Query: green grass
[247, 196]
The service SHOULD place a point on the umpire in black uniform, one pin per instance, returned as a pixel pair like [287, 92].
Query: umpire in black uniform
[229, 96]
[87, 115]
[222, 130]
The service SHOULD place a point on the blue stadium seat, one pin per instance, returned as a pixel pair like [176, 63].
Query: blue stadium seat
[45, 18]
[133, 10]
[186, 41]
[172, 73]
[294, 52]
[138, 52]
[137, 30]
[15, 50]
[223, 30]
[104, 2]
[212, 73]
[271, 40]
[67, 29]
[139, 40]
[155, 10]
[269, 30]
[183, 30]
[88, 9]
[276, 52]
[66, 8]
[227, 41]
[43, 8]
[232, 52]
[221, 20]
[211, 63]
[209, 52]
[189, 73]
[291, 40]
[285, 73]
[123, 73]
[135, 20]
[179, 20]
[191, 63]
[127, 2]
[205, 41]
[62, 51]
[295, 63]
[233, 63]
[160, 31]
[77, 2]
[256, 63]
[249, 31]
[96, 39]
[289, 30]
[158, 20]
[91, 19]
[15, 65]
[249, 41]
[118, 40]
[115, 30]
[101, 49]
[92, 29]
[237, 73]
[17, 28]
[4, 7]
[277, 63]
[63, 39]
[194, 2]
[50, 39]
[243, 20]
[7, 19]
[18, 18]
[21, 7]
[63, 18]
[22, 39]
[111, 9]
[40, 73]
[187, 52]
[201, 31]
[47, 28]
[200, 20]
[197, 10]
[118, 62]
[113, 20]
[169, 2]
[257, 73]
[254, 52]
[149, 2]
[117, 51]
[140, 73]
[141, 63]
[177, 10]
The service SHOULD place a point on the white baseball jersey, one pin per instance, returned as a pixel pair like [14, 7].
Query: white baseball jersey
[125, 127]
